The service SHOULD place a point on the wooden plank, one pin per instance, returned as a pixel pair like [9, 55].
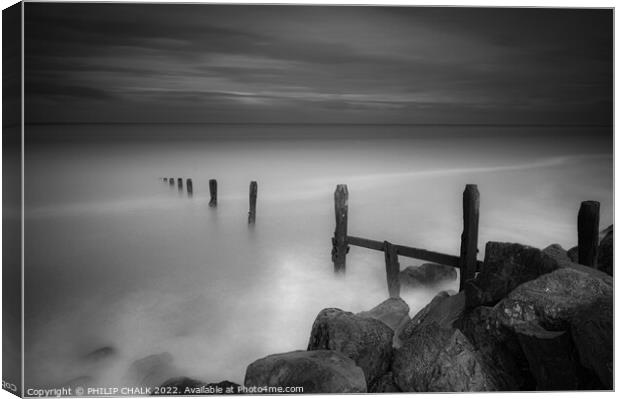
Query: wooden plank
[469, 238]
[339, 240]
[409, 252]
[392, 269]
[253, 194]
[587, 232]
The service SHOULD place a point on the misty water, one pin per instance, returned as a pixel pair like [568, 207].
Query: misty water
[115, 257]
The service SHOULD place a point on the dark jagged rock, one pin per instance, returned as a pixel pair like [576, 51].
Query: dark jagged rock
[393, 312]
[443, 310]
[151, 371]
[385, 384]
[553, 299]
[365, 340]
[427, 274]
[441, 360]
[190, 386]
[562, 259]
[552, 357]
[605, 260]
[573, 254]
[592, 333]
[506, 266]
[318, 371]
[499, 346]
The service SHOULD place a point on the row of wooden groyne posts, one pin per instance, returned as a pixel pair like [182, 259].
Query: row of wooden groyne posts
[467, 262]
[189, 184]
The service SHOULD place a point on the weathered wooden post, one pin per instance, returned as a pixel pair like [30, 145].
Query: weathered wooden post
[171, 181]
[180, 184]
[213, 191]
[392, 269]
[587, 232]
[165, 180]
[253, 192]
[190, 187]
[469, 238]
[339, 241]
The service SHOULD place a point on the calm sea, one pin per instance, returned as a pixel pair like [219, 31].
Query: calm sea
[115, 257]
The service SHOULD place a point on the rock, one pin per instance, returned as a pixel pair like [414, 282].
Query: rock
[592, 333]
[605, 260]
[573, 254]
[551, 356]
[384, 384]
[392, 312]
[151, 371]
[190, 386]
[499, 347]
[366, 341]
[441, 360]
[443, 310]
[427, 274]
[318, 371]
[564, 261]
[552, 300]
[506, 266]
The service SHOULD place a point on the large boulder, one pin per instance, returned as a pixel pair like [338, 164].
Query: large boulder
[443, 310]
[553, 299]
[605, 260]
[393, 312]
[592, 333]
[151, 371]
[551, 356]
[435, 359]
[365, 340]
[563, 260]
[318, 371]
[385, 384]
[427, 274]
[506, 266]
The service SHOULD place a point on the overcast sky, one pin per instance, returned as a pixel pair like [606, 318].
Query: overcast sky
[294, 64]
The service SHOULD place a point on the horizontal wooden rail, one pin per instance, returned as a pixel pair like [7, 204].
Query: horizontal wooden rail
[409, 252]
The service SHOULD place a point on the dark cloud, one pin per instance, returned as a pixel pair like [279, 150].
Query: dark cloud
[207, 63]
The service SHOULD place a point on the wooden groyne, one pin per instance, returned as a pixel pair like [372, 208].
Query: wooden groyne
[213, 192]
[253, 194]
[467, 262]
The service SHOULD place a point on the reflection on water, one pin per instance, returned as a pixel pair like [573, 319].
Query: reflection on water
[117, 258]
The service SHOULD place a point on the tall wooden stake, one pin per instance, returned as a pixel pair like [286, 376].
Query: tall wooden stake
[587, 232]
[171, 181]
[253, 193]
[339, 241]
[180, 184]
[469, 238]
[213, 191]
[392, 269]
[190, 187]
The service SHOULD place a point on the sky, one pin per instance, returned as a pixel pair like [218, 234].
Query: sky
[156, 63]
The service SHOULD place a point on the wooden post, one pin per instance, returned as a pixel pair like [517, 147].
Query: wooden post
[171, 181]
[213, 191]
[392, 269]
[469, 238]
[190, 187]
[165, 180]
[587, 232]
[253, 192]
[340, 247]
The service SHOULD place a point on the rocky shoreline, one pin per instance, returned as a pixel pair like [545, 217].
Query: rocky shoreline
[530, 320]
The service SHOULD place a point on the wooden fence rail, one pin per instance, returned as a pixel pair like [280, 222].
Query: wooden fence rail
[467, 261]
